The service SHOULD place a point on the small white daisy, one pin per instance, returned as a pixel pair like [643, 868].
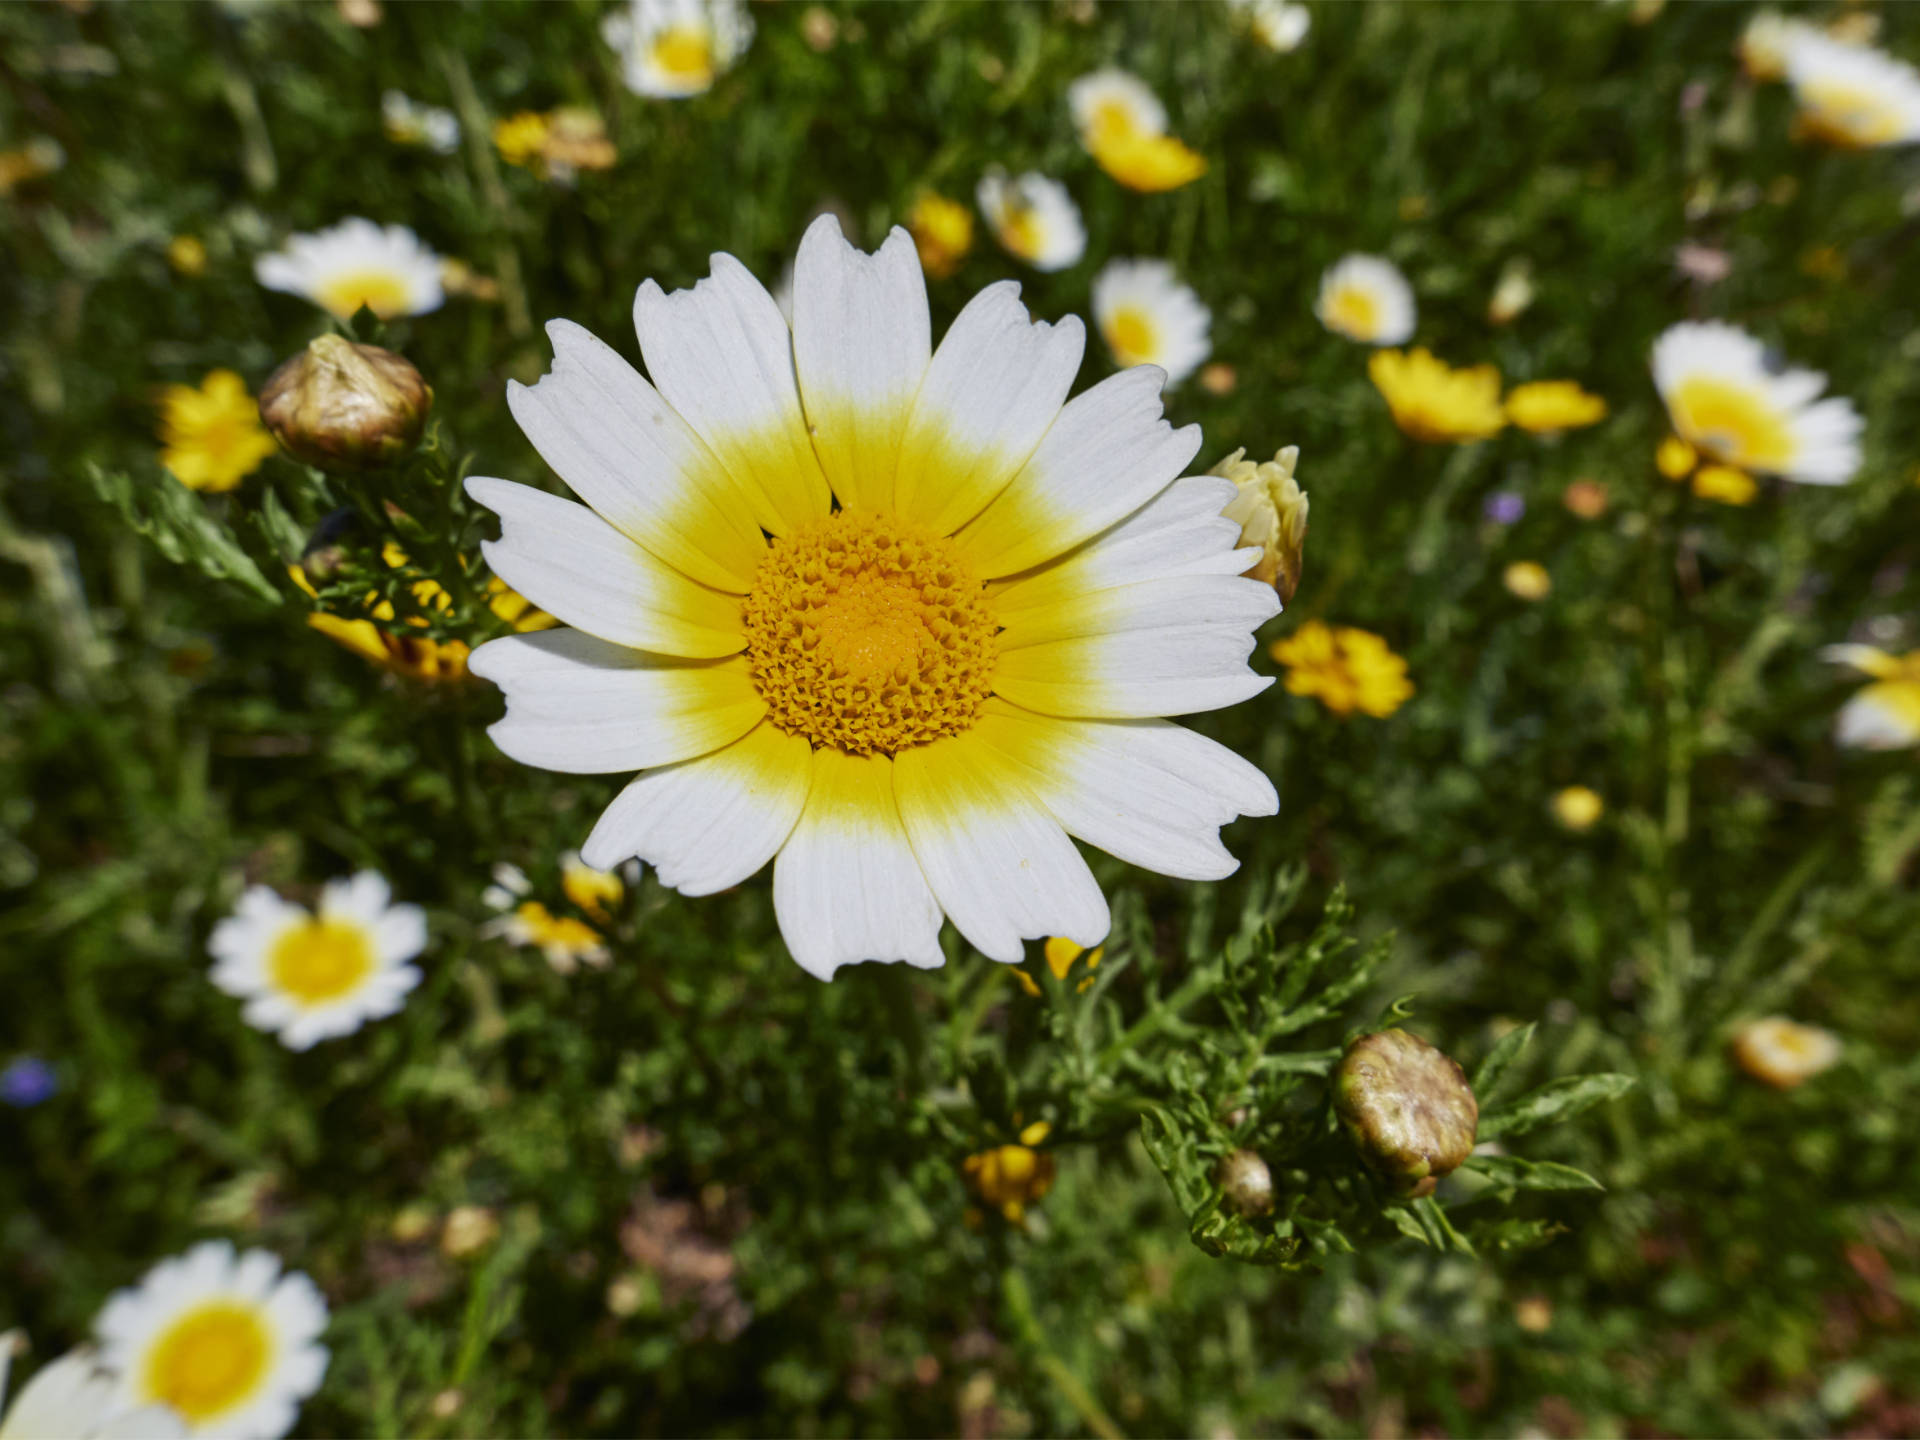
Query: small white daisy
[388, 269]
[1033, 218]
[1763, 46]
[309, 976]
[229, 1342]
[1276, 24]
[566, 943]
[1726, 398]
[1114, 104]
[1147, 317]
[1850, 95]
[1783, 1053]
[1886, 714]
[408, 122]
[670, 49]
[1366, 298]
[78, 1398]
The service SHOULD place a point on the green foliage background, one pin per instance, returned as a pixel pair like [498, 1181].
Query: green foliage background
[1750, 1267]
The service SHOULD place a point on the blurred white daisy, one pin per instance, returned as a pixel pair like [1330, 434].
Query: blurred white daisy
[228, 1342]
[933, 749]
[1763, 46]
[1114, 104]
[1033, 218]
[389, 269]
[1784, 1053]
[1147, 317]
[566, 943]
[670, 49]
[1366, 298]
[1850, 95]
[312, 976]
[1886, 714]
[1727, 399]
[408, 122]
[78, 1398]
[1276, 24]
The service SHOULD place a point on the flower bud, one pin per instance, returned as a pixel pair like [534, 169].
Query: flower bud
[342, 406]
[1271, 510]
[1408, 1108]
[469, 1229]
[1246, 1184]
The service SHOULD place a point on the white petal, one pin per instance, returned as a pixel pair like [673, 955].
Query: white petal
[709, 823]
[723, 357]
[1185, 600]
[629, 455]
[581, 706]
[1000, 866]
[993, 388]
[1175, 670]
[846, 887]
[362, 898]
[1869, 722]
[570, 562]
[861, 339]
[401, 933]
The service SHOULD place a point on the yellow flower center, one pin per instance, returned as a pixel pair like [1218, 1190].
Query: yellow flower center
[1849, 117]
[209, 1360]
[1732, 422]
[381, 291]
[320, 960]
[869, 636]
[1354, 312]
[1021, 232]
[1131, 336]
[1112, 120]
[685, 52]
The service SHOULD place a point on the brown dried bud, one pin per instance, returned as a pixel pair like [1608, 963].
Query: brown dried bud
[342, 406]
[1408, 1108]
[1246, 1184]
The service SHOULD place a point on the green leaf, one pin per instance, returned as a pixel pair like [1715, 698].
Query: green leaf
[279, 529]
[1487, 1078]
[1552, 1103]
[1518, 1174]
[177, 522]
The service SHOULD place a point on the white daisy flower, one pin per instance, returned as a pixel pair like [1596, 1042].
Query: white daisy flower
[1366, 298]
[510, 885]
[1114, 104]
[388, 269]
[408, 122]
[1276, 24]
[1011, 591]
[78, 1398]
[227, 1341]
[566, 943]
[1726, 398]
[1147, 317]
[1851, 95]
[670, 49]
[1765, 43]
[1033, 218]
[311, 977]
[1886, 714]
[1784, 1053]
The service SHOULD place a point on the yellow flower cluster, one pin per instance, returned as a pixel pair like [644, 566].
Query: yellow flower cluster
[1440, 405]
[1009, 1178]
[1060, 954]
[1344, 669]
[555, 144]
[1677, 460]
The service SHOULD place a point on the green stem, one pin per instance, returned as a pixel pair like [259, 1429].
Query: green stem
[1013, 1287]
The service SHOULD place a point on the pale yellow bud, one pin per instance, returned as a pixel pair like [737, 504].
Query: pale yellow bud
[1512, 294]
[1271, 510]
[1578, 808]
[469, 1230]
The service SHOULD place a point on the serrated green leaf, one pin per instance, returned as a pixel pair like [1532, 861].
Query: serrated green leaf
[1554, 1102]
[280, 530]
[1510, 1170]
[176, 521]
[1506, 1050]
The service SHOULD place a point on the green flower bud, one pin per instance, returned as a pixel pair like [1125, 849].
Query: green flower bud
[1408, 1108]
[342, 406]
[1246, 1184]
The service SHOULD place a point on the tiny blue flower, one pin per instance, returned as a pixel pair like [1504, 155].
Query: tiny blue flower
[28, 1081]
[1503, 507]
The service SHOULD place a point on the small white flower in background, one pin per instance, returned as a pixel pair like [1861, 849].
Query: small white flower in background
[312, 976]
[1366, 298]
[1114, 104]
[77, 1398]
[1852, 96]
[1033, 218]
[671, 49]
[1764, 45]
[1783, 1053]
[566, 943]
[510, 886]
[1147, 317]
[595, 891]
[1886, 714]
[1276, 24]
[229, 1342]
[389, 269]
[1726, 398]
[408, 122]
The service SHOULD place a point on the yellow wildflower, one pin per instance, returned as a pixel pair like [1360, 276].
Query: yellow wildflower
[1433, 402]
[564, 941]
[1528, 580]
[1123, 125]
[1779, 1052]
[514, 608]
[1675, 458]
[1149, 163]
[1012, 1177]
[1578, 808]
[1545, 406]
[1344, 668]
[521, 138]
[1724, 484]
[556, 144]
[213, 435]
[1060, 954]
[1271, 510]
[942, 232]
[187, 254]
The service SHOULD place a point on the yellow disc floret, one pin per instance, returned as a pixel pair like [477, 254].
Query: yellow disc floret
[321, 960]
[870, 636]
[209, 1360]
